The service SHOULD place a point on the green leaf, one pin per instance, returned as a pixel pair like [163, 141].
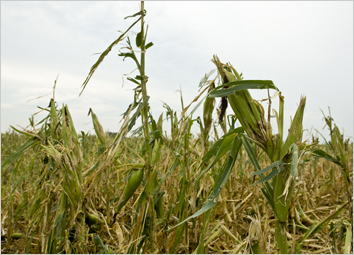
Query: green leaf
[179, 233]
[219, 149]
[133, 80]
[322, 154]
[241, 85]
[17, 183]
[205, 78]
[136, 103]
[227, 167]
[271, 175]
[98, 240]
[200, 248]
[279, 162]
[348, 240]
[268, 192]
[320, 225]
[29, 243]
[133, 119]
[174, 165]
[139, 39]
[148, 45]
[329, 144]
[103, 55]
[270, 199]
[129, 55]
[139, 77]
[251, 153]
[22, 132]
[30, 143]
[136, 14]
[197, 106]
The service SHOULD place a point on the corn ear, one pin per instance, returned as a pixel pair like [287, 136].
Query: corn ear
[132, 185]
[338, 144]
[208, 109]
[65, 128]
[94, 219]
[249, 113]
[98, 128]
[159, 124]
[151, 182]
[159, 205]
[282, 201]
[348, 241]
[280, 118]
[53, 118]
[156, 153]
[70, 123]
[17, 235]
[295, 131]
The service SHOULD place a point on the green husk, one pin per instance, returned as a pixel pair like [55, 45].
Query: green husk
[95, 219]
[132, 185]
[17, 235]
[98, 128]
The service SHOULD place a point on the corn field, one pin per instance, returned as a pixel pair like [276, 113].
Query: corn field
[235, 187]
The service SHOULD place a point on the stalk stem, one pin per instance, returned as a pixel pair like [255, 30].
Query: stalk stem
[280, 236]
[144, 90]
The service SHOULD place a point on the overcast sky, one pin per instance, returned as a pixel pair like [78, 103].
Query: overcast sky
[305, 48]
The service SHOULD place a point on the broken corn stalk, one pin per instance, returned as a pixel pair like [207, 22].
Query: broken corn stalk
[251, 115]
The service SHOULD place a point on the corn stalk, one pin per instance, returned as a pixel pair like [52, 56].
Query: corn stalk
[283, 155]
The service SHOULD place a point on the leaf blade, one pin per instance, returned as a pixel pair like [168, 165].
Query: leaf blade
[242, 85]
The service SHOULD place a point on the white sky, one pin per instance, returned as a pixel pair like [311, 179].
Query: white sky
[305, 48]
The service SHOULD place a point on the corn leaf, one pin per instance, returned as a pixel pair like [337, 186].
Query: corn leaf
[268, 190]
[216, 146]
[227, 167]
[98, 240]
[136, 14]
[270, 199]
[271, 175]
[104, 54]
[130, 124]
[319, 225]
[200, 248]
[322, 154]
[133, 80]
[148, 45]
[179, 233]
[277, 163]
[219, 149]
[22, 132]
[205, 78]
[14, 188]
[174, 165]
[241, 85]
[30, 143]
[197, 106]
[329, 144]
[348, 241]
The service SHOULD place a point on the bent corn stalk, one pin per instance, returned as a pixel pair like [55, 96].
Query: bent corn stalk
[251, 115]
